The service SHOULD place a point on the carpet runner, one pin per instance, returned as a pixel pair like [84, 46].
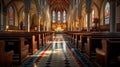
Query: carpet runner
[57, 53]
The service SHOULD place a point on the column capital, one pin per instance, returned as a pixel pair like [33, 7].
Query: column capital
[88, 10]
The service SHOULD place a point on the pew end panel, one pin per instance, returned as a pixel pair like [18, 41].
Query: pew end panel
[108, 55]
[24, 50]
[34, 45]
[6, 58]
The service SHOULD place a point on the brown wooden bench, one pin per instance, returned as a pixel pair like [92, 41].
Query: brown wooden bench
[108, 55]
[32, 38]
[21, 50]
[6, 58]
[95, 41]
[29, 39]
[83, 38]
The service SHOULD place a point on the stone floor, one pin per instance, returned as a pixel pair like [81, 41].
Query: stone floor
[57, 54]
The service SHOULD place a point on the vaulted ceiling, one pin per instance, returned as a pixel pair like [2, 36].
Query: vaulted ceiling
[59, 5]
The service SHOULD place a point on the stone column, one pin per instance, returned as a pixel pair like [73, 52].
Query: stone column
[1, 15]
[27, 20]
[113, 16]
[4, 20]
[79, 16]
[43, 25]
[67, 25]
[88, 11]
[74, 19]
[39, 18]
[71, 24]
[79, 28]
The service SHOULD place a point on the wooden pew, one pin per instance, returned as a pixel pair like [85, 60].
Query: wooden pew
[6, 58]
[82, 40]
[21, 50]
[108, 55]
[94, 41]
[24, 50]
[34, 39]
[29, 39]
[41, 37]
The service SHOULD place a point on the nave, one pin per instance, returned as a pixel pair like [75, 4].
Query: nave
[91, 33]
[58, 53]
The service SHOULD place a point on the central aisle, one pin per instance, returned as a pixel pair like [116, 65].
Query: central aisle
[57, 55]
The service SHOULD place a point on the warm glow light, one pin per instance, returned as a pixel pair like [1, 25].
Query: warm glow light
[59, 29]
[7, 27]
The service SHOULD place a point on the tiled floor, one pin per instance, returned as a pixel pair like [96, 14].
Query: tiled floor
[57, 54]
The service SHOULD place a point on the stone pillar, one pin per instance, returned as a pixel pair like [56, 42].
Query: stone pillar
[1, 12]
[79, 27]
[67, 26]
[74, 26]
[71, 26]
[112, 16]
[43, 25]
[4, 20]
[27, 21]
[74, 20]
[39, 18]
[79, 16]
[88, 11]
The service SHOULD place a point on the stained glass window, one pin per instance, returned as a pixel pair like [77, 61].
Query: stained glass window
[107, 13]
[58, 15]
[11, 16]
[64, 17]
[53, 17]
[23, 18]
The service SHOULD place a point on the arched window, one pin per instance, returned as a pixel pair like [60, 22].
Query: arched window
[53, 17]
[23, 18]
[59, 16]
[11, 16]
[93, 15]
[64, 17]
[107, 13]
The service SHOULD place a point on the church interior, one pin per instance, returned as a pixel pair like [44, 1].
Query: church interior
[59, 33]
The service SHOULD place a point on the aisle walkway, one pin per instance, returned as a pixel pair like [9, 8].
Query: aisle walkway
[57, 54]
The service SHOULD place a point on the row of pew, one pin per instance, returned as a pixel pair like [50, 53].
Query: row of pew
[15, 47]
[102, 48]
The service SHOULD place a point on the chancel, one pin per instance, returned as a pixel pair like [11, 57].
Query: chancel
[59, 33]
